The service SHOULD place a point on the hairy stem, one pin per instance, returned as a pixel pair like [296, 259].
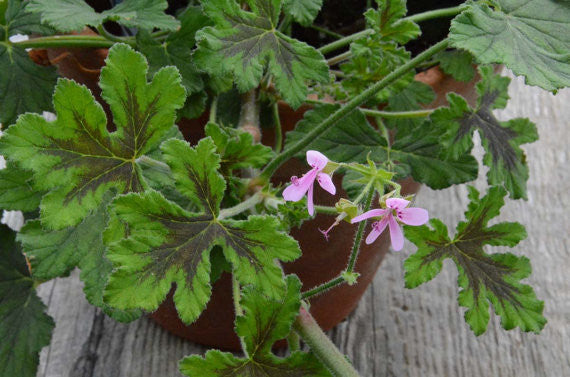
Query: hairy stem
[251, 202]
[359, 232]
[93, 41]
[294, 341]
[249, 116]
[236, 296]
[322, 346]
[339, 58]
[383, 114]
[444, 12]
[278, 131]
[437, 13]
[338, 115]
[213, 110]
[326, 31]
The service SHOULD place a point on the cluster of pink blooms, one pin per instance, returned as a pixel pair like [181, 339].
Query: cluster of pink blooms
[396, 210]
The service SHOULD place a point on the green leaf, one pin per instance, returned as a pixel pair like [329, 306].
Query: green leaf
[417, 150]
[413, 97]
[16, 191]
[74, 157]
[246, 44]
[167, 244]
[484, 278]
[457, 63]
[531, 37]
[388, 20]
[302, 11]
[25, 328]
[20, 21]
[237, 148]
[72, 15]
[33, 88]
[266, 321]
[177, 50]
[501, 140]
[55, 253]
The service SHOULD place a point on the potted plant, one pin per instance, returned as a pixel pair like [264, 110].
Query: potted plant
[109, 185]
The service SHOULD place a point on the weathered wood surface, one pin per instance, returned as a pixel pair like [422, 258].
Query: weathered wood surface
[394, 331]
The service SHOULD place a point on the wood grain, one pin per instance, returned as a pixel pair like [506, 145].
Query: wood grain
[394, 331]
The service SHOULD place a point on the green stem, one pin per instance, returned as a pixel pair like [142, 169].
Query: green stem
[213, 110]
[398, 114]
[326, 210]
[359, 232]
[323, 287]
[236, 296]
[322, 346]
[251, 202]
[104, 33]
[151, 162]
[81, 41]
[345, 41]
[326, 31]
[330, 121]
[339, 58]
[294, 341]
[437, 13]
[278, 131]
[444, 12]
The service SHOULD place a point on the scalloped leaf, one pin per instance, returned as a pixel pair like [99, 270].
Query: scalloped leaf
[501, 140]
[25, 328]
[167, 244]
[303, 11]
[483, 278]
[531, 37]
[73, 15]
[74, 157]
[266, 321]
[247, 44]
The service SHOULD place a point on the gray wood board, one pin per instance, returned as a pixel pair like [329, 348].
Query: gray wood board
[394, 331]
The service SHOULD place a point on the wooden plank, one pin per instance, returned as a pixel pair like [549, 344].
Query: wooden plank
[394, 331]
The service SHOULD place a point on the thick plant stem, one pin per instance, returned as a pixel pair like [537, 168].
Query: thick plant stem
[243, 206]
[278, 131]
[384, 114]
[437, 13]
[322, 346]
[88, 41]
[345, 41]
[236, 296]
[359, 231]
[338, 115]
[339, 58]
[249, 116]
[323, 287]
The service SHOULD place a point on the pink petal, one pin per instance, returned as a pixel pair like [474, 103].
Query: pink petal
[295, 192]
[396, 234]
[325, 181]
[317, 159]
[310, 205]
[413, 216]
[377, 229]
[397, 203]
[369, 214]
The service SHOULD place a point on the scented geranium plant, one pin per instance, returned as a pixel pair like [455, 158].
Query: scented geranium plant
[112, 187]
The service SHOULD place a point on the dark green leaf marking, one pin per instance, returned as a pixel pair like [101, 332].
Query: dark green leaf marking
[501, 140]
[484, 278]
[74, 157]
[266, 321]
[167, 244]
[246, 44]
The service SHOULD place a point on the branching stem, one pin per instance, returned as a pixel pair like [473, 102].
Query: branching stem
[338, 115]
[251, 202]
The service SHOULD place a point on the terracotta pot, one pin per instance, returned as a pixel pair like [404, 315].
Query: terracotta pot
[321, 260]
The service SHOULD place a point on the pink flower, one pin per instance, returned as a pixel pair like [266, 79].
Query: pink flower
[300, 186]
[395, 207]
